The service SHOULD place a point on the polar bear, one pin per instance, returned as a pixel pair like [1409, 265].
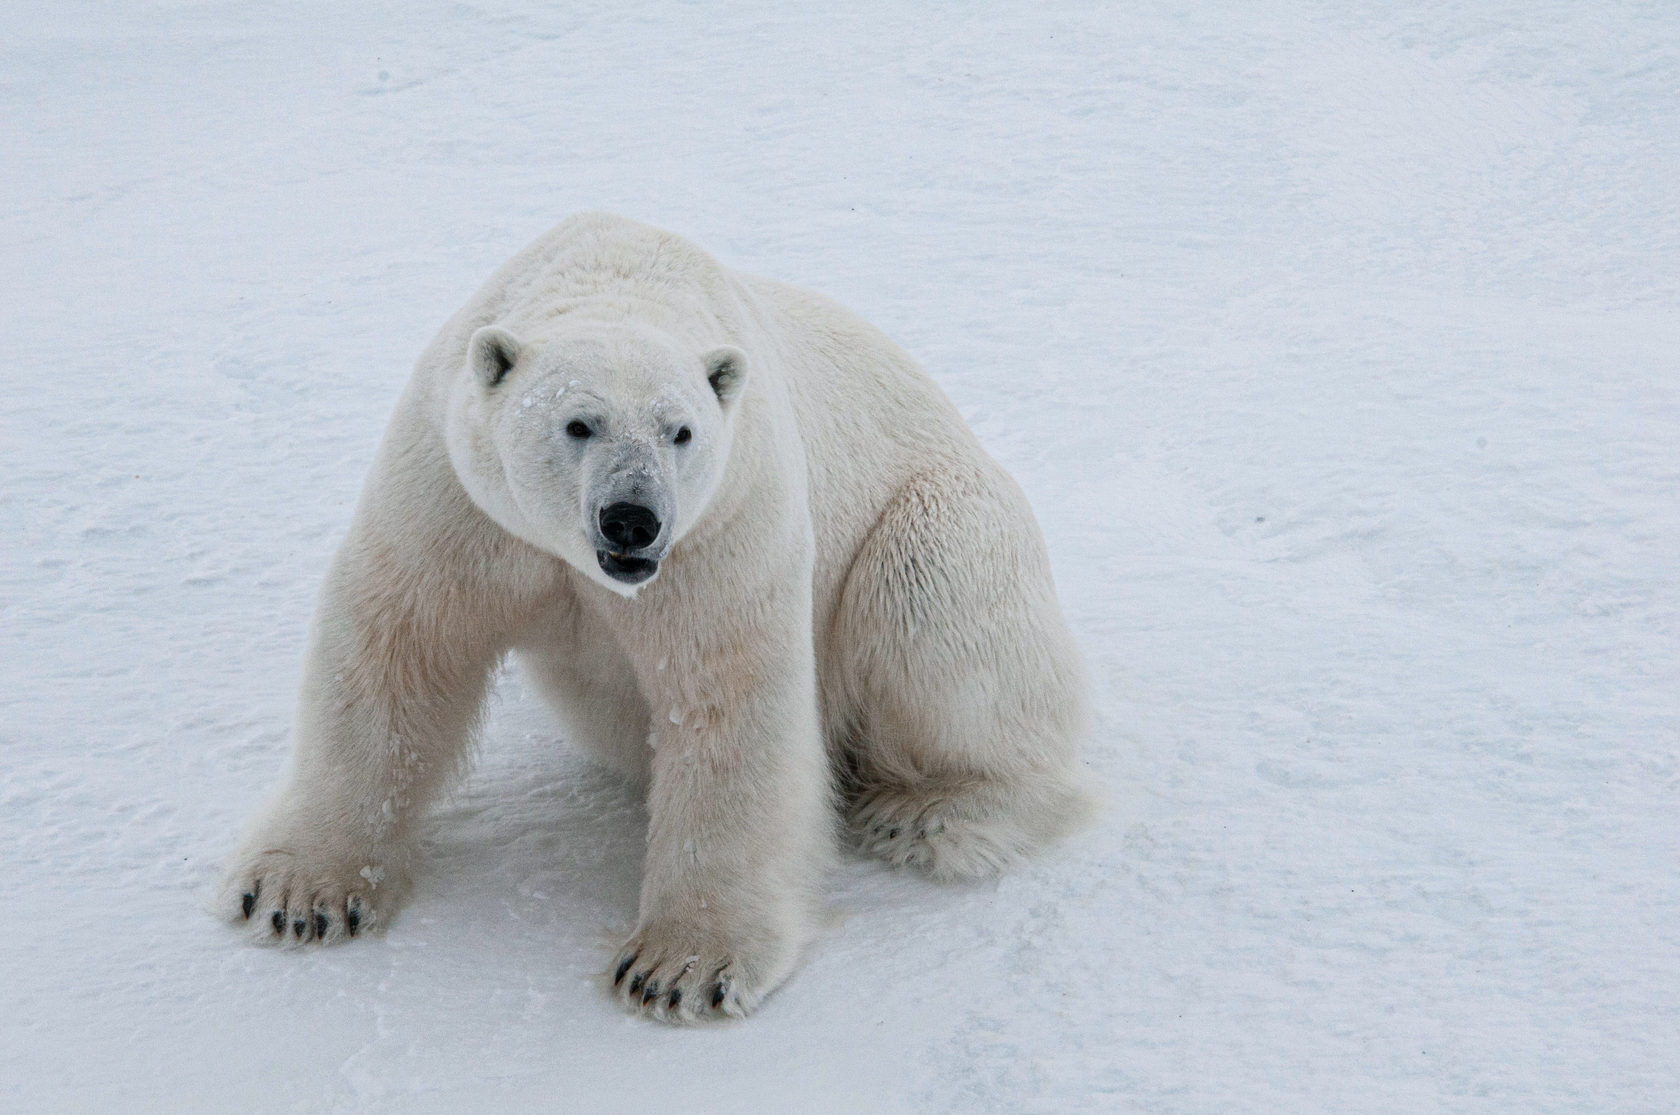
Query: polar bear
[756, 561]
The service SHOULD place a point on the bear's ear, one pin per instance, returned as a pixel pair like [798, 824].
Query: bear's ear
[491, 353]
[726, 371]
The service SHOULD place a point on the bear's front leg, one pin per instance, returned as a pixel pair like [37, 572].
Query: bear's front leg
[407, 630]
[740, 832]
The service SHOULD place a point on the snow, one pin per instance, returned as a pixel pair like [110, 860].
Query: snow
[1336, 346]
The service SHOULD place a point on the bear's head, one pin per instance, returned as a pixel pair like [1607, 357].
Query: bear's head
[601, 444]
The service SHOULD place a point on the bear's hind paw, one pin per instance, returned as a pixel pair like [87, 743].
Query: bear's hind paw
[933, 833]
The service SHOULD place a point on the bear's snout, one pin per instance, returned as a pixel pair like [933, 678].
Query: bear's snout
[628, 549]
[629, 526]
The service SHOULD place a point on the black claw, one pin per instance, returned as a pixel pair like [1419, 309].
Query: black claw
[278, 921]
[618, 976]
[676, 997]
[636, 983]
[651, 993]
[248, 902]
[353, 919]
[717, 995]
[298, 926]
[320, 925]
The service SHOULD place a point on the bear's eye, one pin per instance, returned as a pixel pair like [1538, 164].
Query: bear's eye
[577, 429]
[683, 435]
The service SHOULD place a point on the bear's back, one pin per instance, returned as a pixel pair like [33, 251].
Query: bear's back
[870, 419]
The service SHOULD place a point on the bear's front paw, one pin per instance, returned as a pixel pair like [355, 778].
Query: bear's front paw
[289, 896]
[684, 974]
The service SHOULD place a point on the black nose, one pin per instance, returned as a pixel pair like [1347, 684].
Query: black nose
[629, 526]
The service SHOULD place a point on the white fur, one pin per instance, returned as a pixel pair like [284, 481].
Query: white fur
[853, 610]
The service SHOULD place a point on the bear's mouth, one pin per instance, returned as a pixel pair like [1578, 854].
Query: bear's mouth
[625, 568]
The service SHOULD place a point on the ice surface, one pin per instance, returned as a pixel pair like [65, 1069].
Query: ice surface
[1337, 347]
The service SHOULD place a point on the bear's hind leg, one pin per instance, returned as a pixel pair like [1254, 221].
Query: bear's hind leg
[968, 689]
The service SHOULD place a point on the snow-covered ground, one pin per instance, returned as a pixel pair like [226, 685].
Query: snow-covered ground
[1337, 346]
